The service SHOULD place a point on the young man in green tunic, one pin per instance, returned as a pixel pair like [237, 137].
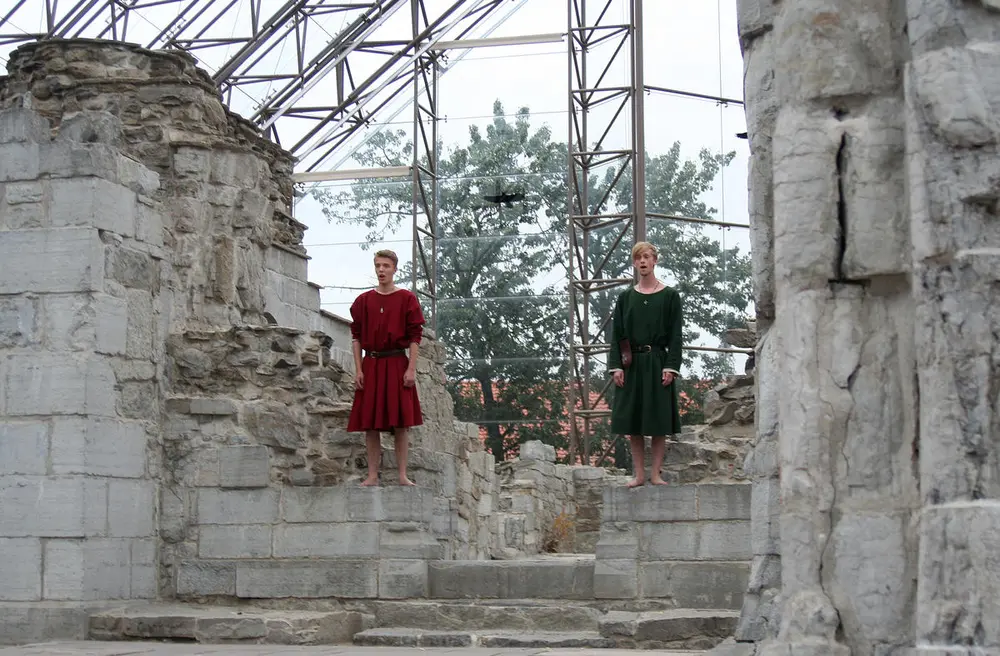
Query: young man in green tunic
[645, 360]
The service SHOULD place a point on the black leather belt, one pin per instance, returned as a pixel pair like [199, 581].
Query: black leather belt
[646, 348]
[386, 354]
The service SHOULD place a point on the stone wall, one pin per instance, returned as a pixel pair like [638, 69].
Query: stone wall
[873, 190]
[81, 349]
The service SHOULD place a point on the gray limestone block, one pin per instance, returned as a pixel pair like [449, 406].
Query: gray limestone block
[20, 570]
[350, 540]
[98, 446]
[765, 514]
[705, 540]
[314, 504]
[93, 202]
[144, 565]
[58, 507]
[24, 447]
[403, 540]
[86, 322]
[199, 578]
[19, 161]
[93, 569]
[23, 623]
[148, 222]
[724, 501]
[695, 585]
[352, 579]
[537, 450]
[616, 579]
[51, 261]
[650, 503]
[131, 508]
[287, 263]
[584, 474]
[512, 579]
[234, 541]
[18, 124]
[20, 322]
[258, 506]
[192, 163]
[402, 579]
[89, 127]
[958, 600]
[618, 541]
[244, 467]
[394, 503]
[50, 384]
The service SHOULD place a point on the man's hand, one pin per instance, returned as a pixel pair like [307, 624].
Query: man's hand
[668, 377]
[619, 378]
[409, 377]
[359, 380]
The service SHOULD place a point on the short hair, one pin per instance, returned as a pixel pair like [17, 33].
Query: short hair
[644, 246]
[389, 255]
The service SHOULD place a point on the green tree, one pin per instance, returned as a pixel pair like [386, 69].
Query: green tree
[505, 328]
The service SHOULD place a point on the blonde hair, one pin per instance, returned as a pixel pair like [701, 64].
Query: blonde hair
[641, 246]
[389, 255]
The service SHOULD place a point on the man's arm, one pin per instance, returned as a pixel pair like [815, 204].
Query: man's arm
[675, 324]
[617, 330]
[414, 351]
[356, 349]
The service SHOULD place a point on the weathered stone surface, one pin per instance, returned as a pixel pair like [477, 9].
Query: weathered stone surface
[548, 578]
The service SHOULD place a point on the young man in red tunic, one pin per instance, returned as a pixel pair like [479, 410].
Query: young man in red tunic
[386, 329]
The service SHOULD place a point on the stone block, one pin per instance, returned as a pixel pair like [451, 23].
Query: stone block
[99, 447]
[287, 263]
[19, 161]
[64, 507]
[51, 261]
[247, 541]
[93, 202]
[402, 579]
[396, 503]
[63, 159]
[22, 623]
[289, 291]
[192, 163]
[131, 507]
[144, 568]
[350, 540]
[708, 540]
[244, 466]
[86, 322]
[765, 513]
[537, 471]
[132, 268]
[52, 384]
[148, 222]
[349, 579]
[650, 503]
[402, 540]
[19, 322]
[616, 579]
[24, 447]
[19, 124]
[695, 585]
[618, 541]
[20, 570]
[588, 474]
[141, 337]
[198, 578]
[724, 501]
[94, 569]
[512, 579]
[537, 450]
[212, 407]
[258, 506]
[314, 504]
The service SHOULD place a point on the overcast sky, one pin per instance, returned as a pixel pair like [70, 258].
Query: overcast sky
[689, 45]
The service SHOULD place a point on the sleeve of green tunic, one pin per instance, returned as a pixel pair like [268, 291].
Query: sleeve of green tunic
[675, 326]
[617, 332]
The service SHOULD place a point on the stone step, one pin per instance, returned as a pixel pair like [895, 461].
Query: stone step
[669, 629]
[471, 615]
[537, 578]
[404, 637]
[214, 624]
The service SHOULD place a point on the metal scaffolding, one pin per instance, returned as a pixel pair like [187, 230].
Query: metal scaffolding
[590, 67]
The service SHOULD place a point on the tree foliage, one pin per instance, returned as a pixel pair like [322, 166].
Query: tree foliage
[501, 269]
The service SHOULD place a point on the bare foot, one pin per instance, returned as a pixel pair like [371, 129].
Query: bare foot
[635, 482]
[370, 482]
[404, 481]
[658, 481]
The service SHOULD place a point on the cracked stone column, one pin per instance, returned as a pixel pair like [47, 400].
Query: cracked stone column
[953, 168]
[825, 116]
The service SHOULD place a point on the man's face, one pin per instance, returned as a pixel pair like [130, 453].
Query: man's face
[645, 262]
[384, 269]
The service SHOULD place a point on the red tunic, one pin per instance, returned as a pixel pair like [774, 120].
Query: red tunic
[385, 322]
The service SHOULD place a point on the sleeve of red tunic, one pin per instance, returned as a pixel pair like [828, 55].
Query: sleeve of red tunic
[414, 320]
[357, 313]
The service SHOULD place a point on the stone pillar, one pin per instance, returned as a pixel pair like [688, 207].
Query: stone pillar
[825, 116]
[953, 171]
[80, 351]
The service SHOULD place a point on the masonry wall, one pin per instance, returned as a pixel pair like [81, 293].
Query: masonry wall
[81, 326]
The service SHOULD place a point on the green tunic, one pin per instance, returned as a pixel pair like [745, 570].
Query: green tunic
[643, 406]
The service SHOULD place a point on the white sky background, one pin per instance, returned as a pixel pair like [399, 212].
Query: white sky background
[689, 45]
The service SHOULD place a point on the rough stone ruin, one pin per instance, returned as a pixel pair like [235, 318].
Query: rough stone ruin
[173, 459]
[874, 188]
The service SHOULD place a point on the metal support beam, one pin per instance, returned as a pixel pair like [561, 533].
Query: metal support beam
[591, 85]
[500, 41]
[352, 174]
[425, 169]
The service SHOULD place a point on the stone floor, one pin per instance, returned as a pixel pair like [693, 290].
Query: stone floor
[165, 649]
